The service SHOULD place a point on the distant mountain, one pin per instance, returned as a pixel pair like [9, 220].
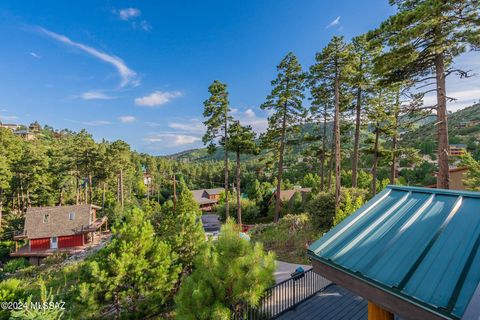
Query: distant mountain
[464, 126]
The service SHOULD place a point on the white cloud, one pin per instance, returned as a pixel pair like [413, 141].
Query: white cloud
[157, 98]
[160, 140]
[95, 95]
[191, 126]
[250, 113]
[127, 119]
[128, 75]
[334, 23]
[128, 13]
[33, 54]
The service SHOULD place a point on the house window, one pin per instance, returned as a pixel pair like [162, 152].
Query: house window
[71, 216]
[45, 218]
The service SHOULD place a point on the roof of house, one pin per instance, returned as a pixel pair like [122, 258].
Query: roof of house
[201, 198]
[286, 195]
[58, 223]
[214, 191]
[418, 245]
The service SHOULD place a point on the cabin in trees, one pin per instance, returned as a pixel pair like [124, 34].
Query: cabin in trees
[286, 196]
[456, 178]
[11, 126]
[207, 199]
[66, 229]
[458, 150]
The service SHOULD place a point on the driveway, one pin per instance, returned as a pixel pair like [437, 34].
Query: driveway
[284, 269]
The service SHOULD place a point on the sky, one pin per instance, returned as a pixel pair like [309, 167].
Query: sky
[139, 70]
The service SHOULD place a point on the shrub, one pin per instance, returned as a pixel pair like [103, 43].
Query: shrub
[250, 211]
[15, 265]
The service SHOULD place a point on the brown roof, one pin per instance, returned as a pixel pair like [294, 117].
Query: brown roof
[286, 195]
[201, 196]
[58, 223]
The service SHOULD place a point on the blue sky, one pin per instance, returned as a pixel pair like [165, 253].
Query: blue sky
[139, 70]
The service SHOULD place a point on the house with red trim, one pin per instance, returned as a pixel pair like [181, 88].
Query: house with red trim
[207, 199]
[68, 229]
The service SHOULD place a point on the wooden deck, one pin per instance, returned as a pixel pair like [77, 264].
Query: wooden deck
[334, 303]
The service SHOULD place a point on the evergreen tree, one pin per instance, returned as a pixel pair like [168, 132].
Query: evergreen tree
[285, 102]
[425, 36]
[217, 111]
[230, 275]
[332, 69]
[241, 141]
[134, 275]
[182, 229]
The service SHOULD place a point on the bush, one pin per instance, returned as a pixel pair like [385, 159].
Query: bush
[15, 265]
[5, 248]
[250, 211]
[10, 290]
[288, 238]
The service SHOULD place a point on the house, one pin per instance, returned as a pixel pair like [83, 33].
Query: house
[10, 126]
[25, 134]
[34, 127]
[457, 150]
[207, 198]
[287, 195]
[456, 178]
[51, 229]
[413, 253]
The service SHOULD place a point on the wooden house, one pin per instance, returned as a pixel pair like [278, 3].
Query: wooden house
[207, 198]
[63, 228]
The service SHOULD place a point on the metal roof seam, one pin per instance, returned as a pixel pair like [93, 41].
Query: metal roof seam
[414, 267]
[365, 232]
[347, 226]
[463, 275]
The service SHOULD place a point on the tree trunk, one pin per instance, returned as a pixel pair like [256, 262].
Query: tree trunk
[324, 151]
[375, 160]
[227, 211]
[356, 143]
[103, 197]
[174, 194]
[90, 187]
[77, 192]
[337, 143]
[121, 188]
[331, 160]
[393, 169]
[60, 200]
[442, 126]
[280, 165]
[1, 206]
[239, 204]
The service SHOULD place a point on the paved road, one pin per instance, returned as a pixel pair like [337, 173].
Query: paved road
[285, 269]
[211, 222]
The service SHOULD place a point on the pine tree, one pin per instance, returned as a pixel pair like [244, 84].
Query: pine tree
[241, 141]
[285, 101]
[134, 275]
[231, 274]
[332, 69]
[216, 112]
[425, 36]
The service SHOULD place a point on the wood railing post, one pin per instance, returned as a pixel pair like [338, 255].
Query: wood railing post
[375, 312]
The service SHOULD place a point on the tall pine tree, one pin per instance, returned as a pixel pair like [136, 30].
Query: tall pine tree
[285, 103]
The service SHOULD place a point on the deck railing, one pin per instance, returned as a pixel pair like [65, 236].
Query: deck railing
[284, 296]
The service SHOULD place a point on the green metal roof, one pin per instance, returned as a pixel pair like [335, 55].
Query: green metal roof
[419, 244]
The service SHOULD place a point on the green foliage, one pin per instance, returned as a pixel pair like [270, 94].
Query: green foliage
[135, 274]
[351, 202]
[15, 265]
[10, 290]
[250, 210]
[472, 176]
[229, 275]
[182, 229]
[288, 237]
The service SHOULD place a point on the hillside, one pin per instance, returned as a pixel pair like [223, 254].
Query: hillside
[463, 128]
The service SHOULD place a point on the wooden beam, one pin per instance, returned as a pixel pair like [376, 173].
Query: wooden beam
[382, 298]
[376, 312]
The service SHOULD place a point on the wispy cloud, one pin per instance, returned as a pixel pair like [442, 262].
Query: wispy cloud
[157, 98]
[190, 126]
[127, 75]
[128, 13]
[159, 140]
[95, 95]
[35, 55]
[92, 123]
[127, 119]
[334, 23]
